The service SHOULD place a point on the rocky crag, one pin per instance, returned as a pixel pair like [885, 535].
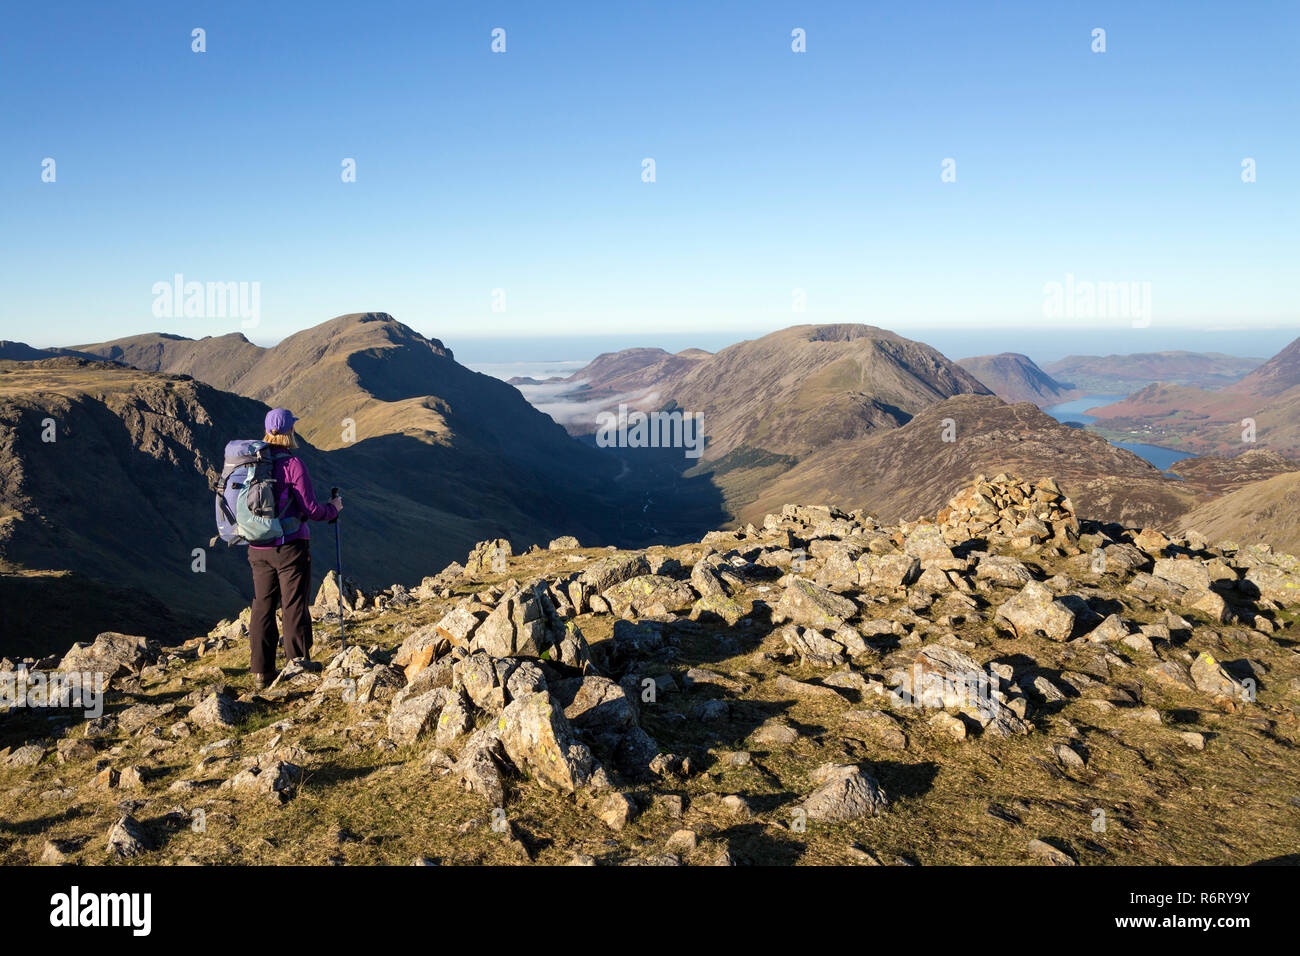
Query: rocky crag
[1004, 682]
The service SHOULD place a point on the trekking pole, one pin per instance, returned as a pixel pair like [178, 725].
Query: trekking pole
[338, 570]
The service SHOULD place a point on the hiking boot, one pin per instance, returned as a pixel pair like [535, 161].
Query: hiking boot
[262, 681]
[307, 664]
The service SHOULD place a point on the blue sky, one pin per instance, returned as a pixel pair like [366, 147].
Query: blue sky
[521, 171]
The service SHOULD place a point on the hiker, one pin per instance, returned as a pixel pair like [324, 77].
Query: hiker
[282, 568]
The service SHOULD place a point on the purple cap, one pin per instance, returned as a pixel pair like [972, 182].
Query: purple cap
[280, 420]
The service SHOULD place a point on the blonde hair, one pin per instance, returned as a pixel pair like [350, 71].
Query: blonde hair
[283, 439]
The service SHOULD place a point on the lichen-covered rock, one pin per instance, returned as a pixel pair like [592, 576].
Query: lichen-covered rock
[479, 766]
[1113, 628]
[524, 623]
[454, 719]
[598, 705]
[1003, 569]
[717, 606]
[1190, 573]
[538, 739]
[327, 596]
[488, 557]
[607, 572]
[1210, 677]
[1035, 610]
[926, 542]
[477, 676]
[1274, 584]
[888, 570]
[458, 624]
[649, 593]
[705, 579]
[412, 717]
[811, 605]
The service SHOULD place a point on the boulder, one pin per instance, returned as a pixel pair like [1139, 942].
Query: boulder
[477, 676]
[488, 557]
[457, 625]
[1190, 573]
[719, 607]
[269, 776]
[813, 648]
[1210, 677]
[811, 605]
[218, 711]
[650, 593]
[454, 719]
[111, 654]
[1274, 584]
[844, 792]
[607, 572]
[597, 705]
[479, 767]
[412, 717]
[129, 838]
[1113, 628]
[1035, 610]
[705, 580]
[1003, 569]
[524, 623]
[539, 740]
[327, 596]
[615, 810]
[887, 570]
[926, 542]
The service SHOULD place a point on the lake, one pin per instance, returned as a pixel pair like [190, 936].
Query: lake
[1162, 458]
[1074, 411]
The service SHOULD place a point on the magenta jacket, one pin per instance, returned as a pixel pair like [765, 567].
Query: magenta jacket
[294, 497]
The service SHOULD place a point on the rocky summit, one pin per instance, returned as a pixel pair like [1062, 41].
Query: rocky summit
[1006, 681]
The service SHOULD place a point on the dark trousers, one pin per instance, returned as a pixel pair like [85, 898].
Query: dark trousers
[280, 576]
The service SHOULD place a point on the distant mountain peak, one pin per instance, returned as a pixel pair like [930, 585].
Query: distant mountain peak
[1014, 377]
